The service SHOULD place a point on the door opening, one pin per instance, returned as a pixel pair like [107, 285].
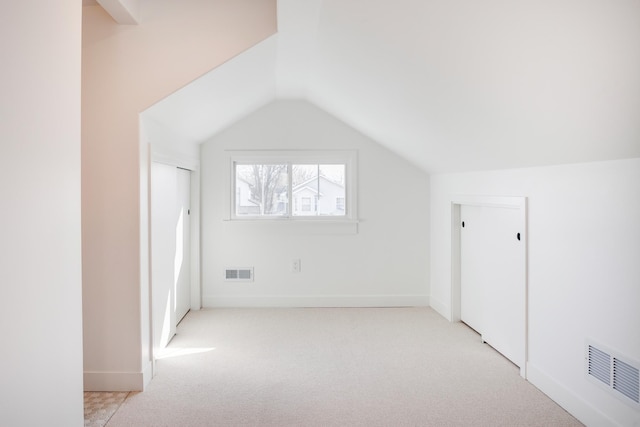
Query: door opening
[489, 271]
[170, 250]
[182, 269]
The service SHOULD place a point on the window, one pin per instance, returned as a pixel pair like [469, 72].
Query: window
[261, 189]
[306, 204]
[304, 185]
[317, 186]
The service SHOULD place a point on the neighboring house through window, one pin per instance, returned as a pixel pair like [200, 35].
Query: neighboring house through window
[319, 187]
[306, 185]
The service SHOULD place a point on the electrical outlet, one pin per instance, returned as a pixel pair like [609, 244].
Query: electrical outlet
[295, 265]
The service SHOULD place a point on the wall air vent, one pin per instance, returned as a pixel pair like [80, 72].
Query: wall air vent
[616, 373]
[599, 365]
[236, 274]
[626, 379]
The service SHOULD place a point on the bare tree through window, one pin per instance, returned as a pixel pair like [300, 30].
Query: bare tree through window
[267, 185]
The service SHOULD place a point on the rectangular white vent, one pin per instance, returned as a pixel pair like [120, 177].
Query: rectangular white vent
[617, 374]
[235, 274]
[626, 379]
[599, 365]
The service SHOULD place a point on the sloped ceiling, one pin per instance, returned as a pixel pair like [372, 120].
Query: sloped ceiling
[451, 86]
[124, 12]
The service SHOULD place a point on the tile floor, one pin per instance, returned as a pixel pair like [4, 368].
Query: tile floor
[99, 407]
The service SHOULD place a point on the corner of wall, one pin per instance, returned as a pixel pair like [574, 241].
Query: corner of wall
[440, 307]
[117, 381]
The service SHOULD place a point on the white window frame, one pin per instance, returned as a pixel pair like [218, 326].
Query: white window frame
[291, 157]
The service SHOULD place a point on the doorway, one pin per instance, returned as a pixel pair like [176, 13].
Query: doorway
[182, 264]
[170, 250]
[489, 271]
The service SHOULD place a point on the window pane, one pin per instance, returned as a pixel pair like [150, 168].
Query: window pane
[261, 190]
[318, 190]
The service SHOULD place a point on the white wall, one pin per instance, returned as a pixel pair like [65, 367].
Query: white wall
[584, 247]
[168, 146]
[125, 69]
[385, 263]
[40, 258]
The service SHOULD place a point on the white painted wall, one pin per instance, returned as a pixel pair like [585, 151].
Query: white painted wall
[385, 263]
[222, 96]
[40, 255]
[125, 70]
[169, 147]
[584, 247]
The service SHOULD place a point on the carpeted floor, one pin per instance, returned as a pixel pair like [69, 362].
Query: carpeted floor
[334, 367]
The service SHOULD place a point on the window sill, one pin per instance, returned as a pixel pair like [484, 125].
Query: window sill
[298, 226]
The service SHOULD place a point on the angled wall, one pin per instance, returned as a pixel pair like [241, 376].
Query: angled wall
[40, 253]
[384, 263]
[584, 247]
[125, 70]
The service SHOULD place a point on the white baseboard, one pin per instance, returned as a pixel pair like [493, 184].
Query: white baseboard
[572, 403]
[442, 309]
[317, 301]
[117, 381]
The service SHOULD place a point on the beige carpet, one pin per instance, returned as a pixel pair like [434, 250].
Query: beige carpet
[334, 367]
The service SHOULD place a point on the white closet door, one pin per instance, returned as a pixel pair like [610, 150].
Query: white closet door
[493, 278]
[163, 250]
[473, 262]
[183, 244]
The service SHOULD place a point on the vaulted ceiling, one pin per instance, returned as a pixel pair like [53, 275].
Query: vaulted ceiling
[124, 12]
[450, 85]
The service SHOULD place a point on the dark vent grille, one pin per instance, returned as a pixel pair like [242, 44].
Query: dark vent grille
[599, 365]
[244, 274]
[626, 380]
[617, 374]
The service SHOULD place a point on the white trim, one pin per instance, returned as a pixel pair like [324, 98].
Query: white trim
[514, 202]
[571, 402]
[117, 381]
[316, 301]
[173, 160]
[298, 227]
